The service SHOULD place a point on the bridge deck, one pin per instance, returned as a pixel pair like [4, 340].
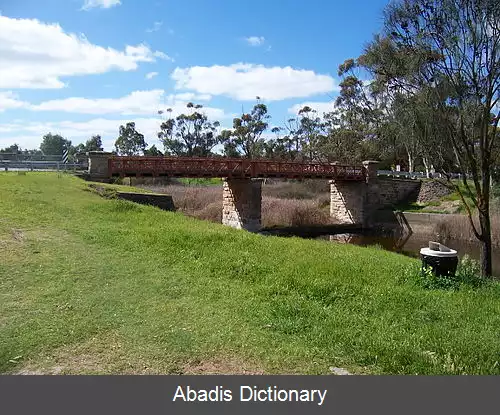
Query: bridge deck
[125, 166]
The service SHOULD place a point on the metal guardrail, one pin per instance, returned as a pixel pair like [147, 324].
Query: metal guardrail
[21, 157]
[401, 174]
[32, 165]
[415, 175]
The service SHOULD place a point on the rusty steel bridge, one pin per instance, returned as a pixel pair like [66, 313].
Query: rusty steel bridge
[232, 168]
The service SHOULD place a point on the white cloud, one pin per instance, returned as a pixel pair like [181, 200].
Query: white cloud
[136, 103]
[162, 55]
[9, 100]
[255, 40]
[103, 4]
[30, 133]
[156, 26]
[246, 81]
[151, 75]
[37, 55]
[320, 107]
[190, 96]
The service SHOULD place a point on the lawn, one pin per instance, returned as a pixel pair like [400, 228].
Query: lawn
[96, 285]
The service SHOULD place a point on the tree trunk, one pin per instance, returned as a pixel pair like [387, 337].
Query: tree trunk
[485, 220]
[427, 167]
[411, 162]
[486, 248]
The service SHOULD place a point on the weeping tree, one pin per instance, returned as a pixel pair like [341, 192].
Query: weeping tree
[452, 48]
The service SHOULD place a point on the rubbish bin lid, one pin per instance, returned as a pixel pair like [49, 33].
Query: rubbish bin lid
[431, 252]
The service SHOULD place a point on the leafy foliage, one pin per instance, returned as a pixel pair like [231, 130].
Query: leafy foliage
[190, 134]
[54, 144]
[152, 151]
[246, 137]
[468, 276]
[442, 58]
[130, 141]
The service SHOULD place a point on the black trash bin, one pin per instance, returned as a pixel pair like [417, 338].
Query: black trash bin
[442, 260]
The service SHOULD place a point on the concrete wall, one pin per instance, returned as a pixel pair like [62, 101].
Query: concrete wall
[242, 202]
[164, 202]
[394, 191]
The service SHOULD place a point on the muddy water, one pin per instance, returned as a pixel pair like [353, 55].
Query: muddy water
[410, 245]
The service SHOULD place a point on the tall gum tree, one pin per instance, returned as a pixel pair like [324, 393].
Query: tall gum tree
[246, 136]
[189, 134]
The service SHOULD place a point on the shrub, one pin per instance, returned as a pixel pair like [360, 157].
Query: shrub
[211, 212]
[469, 272]
[431, 281]
[467, 276]
[205, 202]
[291, 189]
[292, 212]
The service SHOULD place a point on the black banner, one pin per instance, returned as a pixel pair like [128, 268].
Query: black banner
[248, 395]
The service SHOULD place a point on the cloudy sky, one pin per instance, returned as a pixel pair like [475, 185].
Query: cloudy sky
[83, 67]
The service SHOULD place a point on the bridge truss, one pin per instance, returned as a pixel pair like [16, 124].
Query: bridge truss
[137, 166]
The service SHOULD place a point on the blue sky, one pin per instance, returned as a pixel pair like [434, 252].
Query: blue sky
[83, 67]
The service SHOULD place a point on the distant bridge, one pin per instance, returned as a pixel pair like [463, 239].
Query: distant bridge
[355, 191]
[231, 168]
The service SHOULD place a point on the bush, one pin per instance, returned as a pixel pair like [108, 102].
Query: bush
[292, 212]
[211, 212]
[468, 275]
[291, 189]
[431, 281]
[205, 202]
[469, 272]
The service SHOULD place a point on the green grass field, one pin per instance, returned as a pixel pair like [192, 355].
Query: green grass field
[95, 285]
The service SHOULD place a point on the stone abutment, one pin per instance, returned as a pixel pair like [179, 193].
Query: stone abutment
[242, 204]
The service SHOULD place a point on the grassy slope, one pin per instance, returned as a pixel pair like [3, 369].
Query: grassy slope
[436, 206]
[89, 285]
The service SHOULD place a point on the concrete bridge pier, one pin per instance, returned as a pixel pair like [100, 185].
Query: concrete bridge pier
[350, 201]
[242, 204]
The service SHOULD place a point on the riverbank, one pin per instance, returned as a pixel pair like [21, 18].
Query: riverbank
[307, 203]
[96, 285]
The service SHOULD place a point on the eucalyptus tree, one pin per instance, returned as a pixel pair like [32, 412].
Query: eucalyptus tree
[190, 134]
[246, 136]
[130, 141]
[54, 144]
[353, 126]
[311, 133]
[94, 143]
